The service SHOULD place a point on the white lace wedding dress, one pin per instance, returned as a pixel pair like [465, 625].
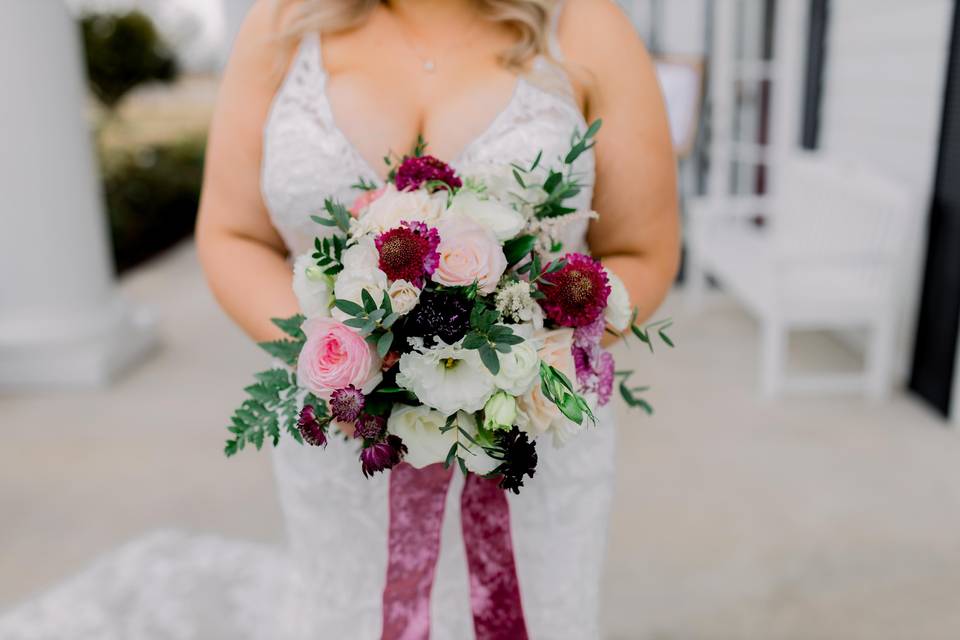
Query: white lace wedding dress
[328, 581]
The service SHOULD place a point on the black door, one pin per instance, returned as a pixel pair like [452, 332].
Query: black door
[936, 341]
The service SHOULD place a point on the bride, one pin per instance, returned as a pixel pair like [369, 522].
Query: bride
[315, 93]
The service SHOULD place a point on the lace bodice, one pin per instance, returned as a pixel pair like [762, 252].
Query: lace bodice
[307, 157]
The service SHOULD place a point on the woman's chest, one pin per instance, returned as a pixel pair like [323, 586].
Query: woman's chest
[307, 157]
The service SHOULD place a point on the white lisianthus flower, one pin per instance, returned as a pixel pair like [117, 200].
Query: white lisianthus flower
[419, 428]
[618, 311]
[403, 296]
[504, 221]
[361, 271]
[500, 412]
[393, 207]
[312, 287]
[447, 378]
[519, 369]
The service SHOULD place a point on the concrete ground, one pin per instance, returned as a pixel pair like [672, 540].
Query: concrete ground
[736, 519]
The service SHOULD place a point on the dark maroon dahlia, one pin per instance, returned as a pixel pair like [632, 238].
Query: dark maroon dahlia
[439, 314]
[409, 252]
[370, 427]
[346, 404]
[519, 458]
[381, 456]
[311, 428]
[414, 172]
[576, 294]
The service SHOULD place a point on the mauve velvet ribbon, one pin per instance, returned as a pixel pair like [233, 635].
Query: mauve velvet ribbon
[417, 499]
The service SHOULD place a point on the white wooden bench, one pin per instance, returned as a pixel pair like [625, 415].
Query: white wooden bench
[825, 257]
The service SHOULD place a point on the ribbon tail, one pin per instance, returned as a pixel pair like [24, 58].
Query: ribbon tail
[417, 500]
[494, 587]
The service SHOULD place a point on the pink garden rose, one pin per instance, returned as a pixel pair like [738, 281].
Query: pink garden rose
[468, 253]
[334, 357]
[364, 200]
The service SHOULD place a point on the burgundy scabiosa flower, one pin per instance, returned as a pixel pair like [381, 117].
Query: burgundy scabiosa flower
[409, 252]
[370, 427]
[576, 294]
[311, 428]
[346, 404]
[382, 455]
[414, 172]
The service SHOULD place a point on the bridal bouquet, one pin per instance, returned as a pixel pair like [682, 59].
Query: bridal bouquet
[445, 321]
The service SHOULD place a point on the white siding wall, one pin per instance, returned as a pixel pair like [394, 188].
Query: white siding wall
[884, 84]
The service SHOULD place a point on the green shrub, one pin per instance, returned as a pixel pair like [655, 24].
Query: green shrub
[152, 195]
[122, 51]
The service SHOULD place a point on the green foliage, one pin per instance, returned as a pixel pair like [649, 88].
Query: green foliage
[329, 253]
[271, 402]
[561, 184]
[122, 51]
[337, 216]
[558, 389]
[518, 248]
[152, 195]
[374, 322]
[488, 338]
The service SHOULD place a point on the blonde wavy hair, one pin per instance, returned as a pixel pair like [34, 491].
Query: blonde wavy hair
[528, 19]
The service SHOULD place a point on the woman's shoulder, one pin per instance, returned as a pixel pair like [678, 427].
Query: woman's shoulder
[596, 37]
[260, 49]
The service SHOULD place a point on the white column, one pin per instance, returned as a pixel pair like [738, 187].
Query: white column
[61, 320]
[790, 43]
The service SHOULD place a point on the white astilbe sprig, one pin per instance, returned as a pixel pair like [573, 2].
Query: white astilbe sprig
[515, 302]
[549, 231]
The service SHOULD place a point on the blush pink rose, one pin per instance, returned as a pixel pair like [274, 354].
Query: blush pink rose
[364, 200]
[335, 356]
[468, 253]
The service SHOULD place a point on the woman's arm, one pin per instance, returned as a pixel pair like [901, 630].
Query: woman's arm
[243, 256]
[637, 235]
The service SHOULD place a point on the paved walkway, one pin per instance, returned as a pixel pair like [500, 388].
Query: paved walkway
[736, 519]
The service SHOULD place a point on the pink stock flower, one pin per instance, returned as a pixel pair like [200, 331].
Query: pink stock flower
[333, 357]
[576, 294]
[595, 367]
[414, 172]
[364, 200]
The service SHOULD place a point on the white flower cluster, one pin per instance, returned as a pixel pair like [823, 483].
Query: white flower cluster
[515, 302]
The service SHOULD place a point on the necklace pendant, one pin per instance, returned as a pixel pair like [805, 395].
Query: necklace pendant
[429, 66]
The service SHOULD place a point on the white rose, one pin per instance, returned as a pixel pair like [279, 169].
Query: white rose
[403, 296]
[519, 369]
[312, 287]
[360, 272]
[500, 183]
[618, 311]
[394, 207]
[419, 428]
[447, 378]
[502, 220]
